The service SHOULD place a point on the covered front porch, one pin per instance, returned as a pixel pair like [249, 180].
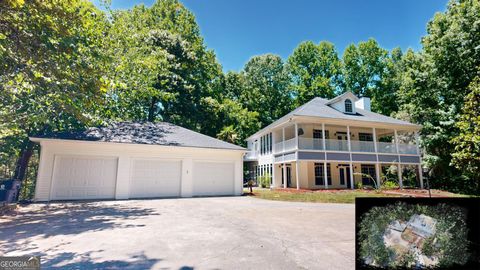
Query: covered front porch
[338, 175]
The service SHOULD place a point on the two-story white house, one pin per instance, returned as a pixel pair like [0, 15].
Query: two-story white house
[319, 144]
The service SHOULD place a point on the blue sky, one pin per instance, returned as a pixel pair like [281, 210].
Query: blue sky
[239, 29]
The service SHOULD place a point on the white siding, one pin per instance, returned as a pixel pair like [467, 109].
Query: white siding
[125, 153]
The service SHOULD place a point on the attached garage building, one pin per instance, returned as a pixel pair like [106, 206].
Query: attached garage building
[136, 160]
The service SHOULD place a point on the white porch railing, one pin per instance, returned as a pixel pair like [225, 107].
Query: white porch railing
[251, 155]
[383, 147]
[290, 145]
[310, 144]
[407, 148]
[362, 146]
[336, 145]
[278, 147]
[341, 145]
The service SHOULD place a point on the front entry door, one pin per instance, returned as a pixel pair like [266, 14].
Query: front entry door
[345, 176]
[289, 176]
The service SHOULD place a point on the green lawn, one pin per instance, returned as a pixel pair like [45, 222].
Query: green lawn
[341, 196]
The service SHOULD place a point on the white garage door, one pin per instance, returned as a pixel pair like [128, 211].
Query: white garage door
[155, 178]
[213, 178]
[81, 177]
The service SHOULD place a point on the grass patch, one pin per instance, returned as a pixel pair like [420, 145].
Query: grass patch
[340, 196]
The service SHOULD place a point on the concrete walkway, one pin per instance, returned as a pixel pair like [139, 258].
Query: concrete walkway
[197, 233]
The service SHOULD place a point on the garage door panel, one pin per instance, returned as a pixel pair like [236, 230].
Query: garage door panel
[213, 178]
[82, 177]
[155, 178]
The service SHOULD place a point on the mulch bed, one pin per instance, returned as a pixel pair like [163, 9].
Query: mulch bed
[398, 192]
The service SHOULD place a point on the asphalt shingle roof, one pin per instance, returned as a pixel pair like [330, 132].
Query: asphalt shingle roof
[160, 133]
[317, 107]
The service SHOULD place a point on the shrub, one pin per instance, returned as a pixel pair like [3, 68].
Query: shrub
[358, 185]
[389, 184]
[264, 181]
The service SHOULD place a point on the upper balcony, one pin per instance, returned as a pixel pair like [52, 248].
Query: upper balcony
[342, 146]
[309, 137]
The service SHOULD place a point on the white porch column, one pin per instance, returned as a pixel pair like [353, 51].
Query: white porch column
[284, 164]
[351, 175]
[417, 142]
[377, 174]
[324, 144]
[325, 175]
[377, 165]
[296, 136]
[348, 138]
[400, 176]
[323, 137]
[297, 174]
[420, 175]
[396, 141]
[274, 180]
[350, 152]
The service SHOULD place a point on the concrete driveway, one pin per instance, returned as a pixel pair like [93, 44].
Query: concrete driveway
[197, 233]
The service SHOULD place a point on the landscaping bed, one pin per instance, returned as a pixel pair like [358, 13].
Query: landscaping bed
[339, 195]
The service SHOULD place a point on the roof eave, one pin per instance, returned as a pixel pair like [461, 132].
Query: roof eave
[258, 133]
[40, 139]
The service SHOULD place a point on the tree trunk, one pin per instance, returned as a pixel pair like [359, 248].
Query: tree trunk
[151, 110]
[22, 165]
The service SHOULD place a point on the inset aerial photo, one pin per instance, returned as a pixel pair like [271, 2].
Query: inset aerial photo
[417, 233]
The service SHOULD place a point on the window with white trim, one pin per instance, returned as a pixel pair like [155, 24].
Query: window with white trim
[348, 106]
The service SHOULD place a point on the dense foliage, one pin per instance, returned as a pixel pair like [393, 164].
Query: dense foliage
[51, 63]
[434, 85]
[67, 64]
[451, 247]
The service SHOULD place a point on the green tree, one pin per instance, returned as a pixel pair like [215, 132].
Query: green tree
[315, 71]
[435, 83]
[161, 68]
[234, 86]
[51, 70]
[467, 143]
[267, 91]
[369, 71]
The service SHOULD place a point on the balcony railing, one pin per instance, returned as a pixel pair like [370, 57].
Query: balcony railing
[278, 147]
[336, 145]
[383, 147]
[310, 143]
[290, 145]
[342, 145]
[251, 155]
[362, 146]
[407, 149]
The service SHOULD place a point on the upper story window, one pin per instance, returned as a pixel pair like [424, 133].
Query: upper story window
[266, 143]
[348, 106]
[317, 134]
[366, 137]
